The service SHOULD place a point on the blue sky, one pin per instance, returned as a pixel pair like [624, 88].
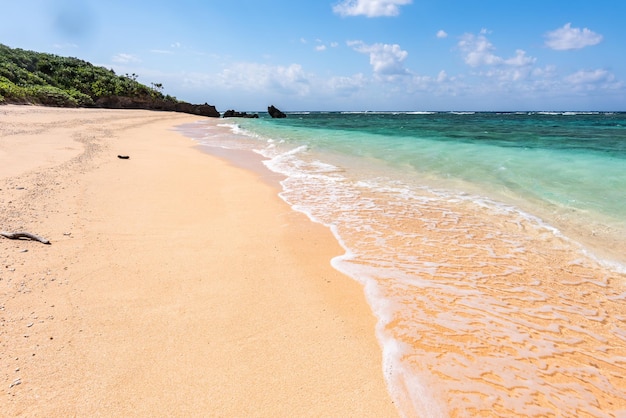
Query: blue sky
[346, 54]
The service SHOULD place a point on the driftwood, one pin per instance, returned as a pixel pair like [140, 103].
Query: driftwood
[18, 235]
[123, 157]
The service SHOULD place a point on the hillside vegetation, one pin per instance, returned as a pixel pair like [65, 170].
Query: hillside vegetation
[52, 80]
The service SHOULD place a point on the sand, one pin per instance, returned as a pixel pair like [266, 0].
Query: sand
[176, 283]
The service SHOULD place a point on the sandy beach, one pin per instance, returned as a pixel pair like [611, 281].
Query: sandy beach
[175, 284]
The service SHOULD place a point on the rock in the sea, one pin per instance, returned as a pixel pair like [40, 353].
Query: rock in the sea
[230, 113]
[275, 113]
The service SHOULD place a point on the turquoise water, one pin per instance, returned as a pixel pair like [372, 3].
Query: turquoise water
[571, 161]
[491, 247]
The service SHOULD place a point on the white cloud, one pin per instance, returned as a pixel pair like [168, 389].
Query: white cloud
[346, 86]
[320, 48]
[584, 77]
[261, 77]
[386, 59]
[370, 8]
[549, 71]
[588, 80]
[442, 34]
[520, 59]
[492, 79]
[479, 51]
[571, 38]
[125, 58]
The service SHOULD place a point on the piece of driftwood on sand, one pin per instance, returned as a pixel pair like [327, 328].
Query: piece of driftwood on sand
[19, 235]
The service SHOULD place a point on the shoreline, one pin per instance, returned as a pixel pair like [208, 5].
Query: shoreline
[176, 283]
[480, 305]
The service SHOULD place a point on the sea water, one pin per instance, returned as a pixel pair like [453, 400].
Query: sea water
[491, 246]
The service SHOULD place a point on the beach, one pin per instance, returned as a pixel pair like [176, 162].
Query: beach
[490, 246]
[175, 284]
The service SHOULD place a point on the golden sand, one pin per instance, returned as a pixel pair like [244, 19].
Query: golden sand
[175, 284]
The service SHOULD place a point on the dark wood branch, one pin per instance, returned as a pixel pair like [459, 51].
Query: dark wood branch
[19, 235]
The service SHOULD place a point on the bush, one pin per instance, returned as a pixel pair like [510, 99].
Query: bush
[81, 98]
[51, 96]
[11, 91]
[39, 78]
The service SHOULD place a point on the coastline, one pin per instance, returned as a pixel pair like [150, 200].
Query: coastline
[176, 283]
[484, 309]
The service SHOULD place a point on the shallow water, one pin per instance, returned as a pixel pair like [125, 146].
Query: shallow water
[491, 248]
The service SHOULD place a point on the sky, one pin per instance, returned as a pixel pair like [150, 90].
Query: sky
[353, 55]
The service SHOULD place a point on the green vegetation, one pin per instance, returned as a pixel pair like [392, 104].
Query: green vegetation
[51, 80]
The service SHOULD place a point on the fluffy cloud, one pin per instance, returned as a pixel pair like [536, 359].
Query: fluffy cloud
[520, 59]
[370, 8]
[479, 51]
[386, 59]
[568, 37]
[442, 34]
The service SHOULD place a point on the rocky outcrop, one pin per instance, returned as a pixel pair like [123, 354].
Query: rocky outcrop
[122, 102]
[202, 110]
[230, 113]
[275, 113]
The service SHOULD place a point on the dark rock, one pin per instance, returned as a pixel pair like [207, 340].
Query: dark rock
[202, 110]
[275, 113]
[230, 113]
[121, 102]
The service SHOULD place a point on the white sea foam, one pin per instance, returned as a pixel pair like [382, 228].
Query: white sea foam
[358, 209]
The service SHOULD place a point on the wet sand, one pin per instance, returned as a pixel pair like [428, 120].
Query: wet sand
[176, 284]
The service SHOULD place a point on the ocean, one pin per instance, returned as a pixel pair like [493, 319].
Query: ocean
[491, 247]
